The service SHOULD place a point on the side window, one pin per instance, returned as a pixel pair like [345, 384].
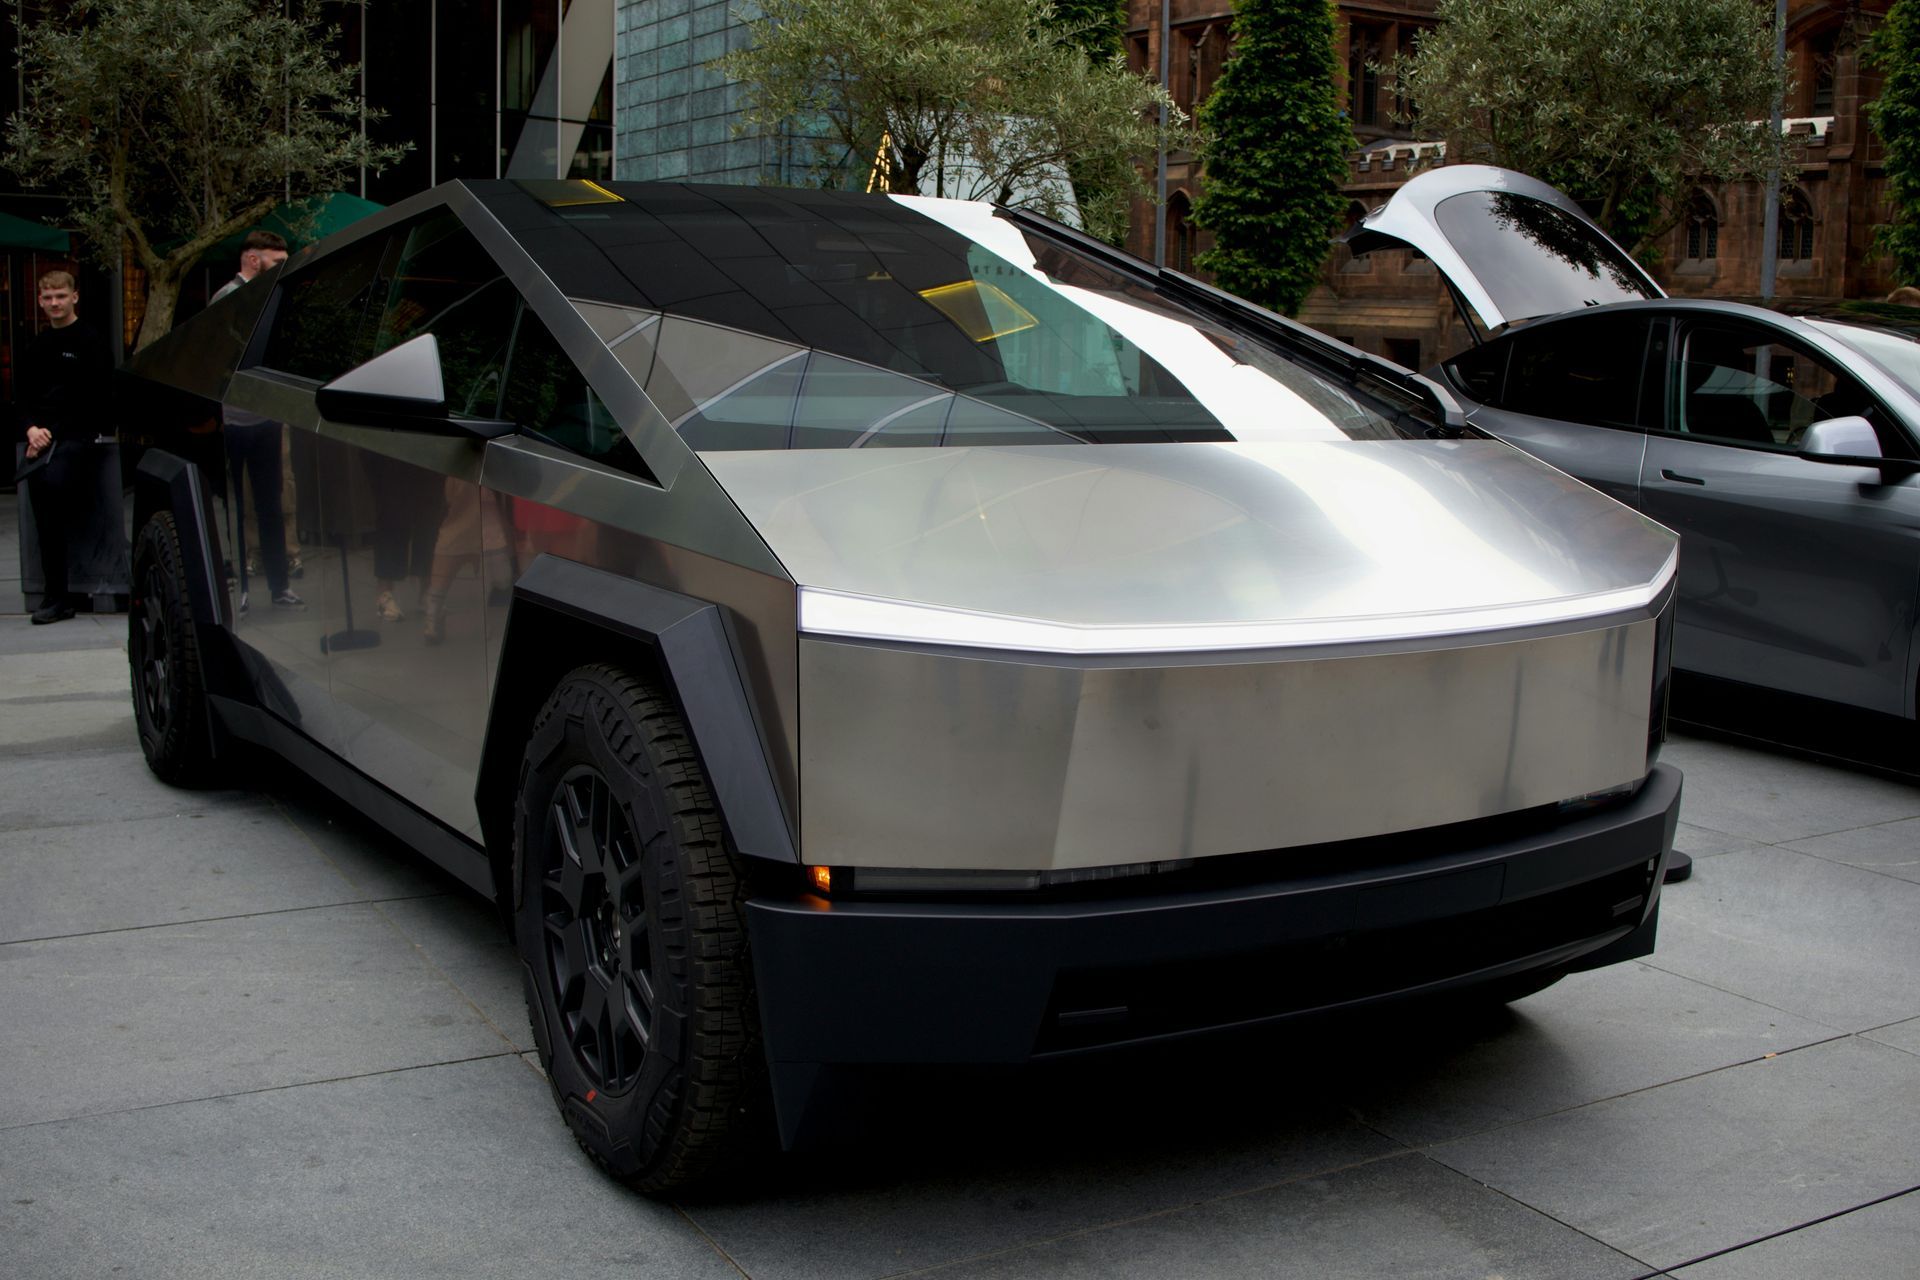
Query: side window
[324, 324]
[545, 393]
[1749, 387]
[1481, 372]
[441, 281]
[1584, 370]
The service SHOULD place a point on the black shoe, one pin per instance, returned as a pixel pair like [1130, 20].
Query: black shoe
[52, 611]
[285, 599]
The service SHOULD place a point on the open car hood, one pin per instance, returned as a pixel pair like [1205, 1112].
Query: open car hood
[1166, 547]
[1513, 247]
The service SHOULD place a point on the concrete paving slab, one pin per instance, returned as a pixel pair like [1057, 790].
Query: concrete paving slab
[74, 789]
[1879, 1240]
[85, 631]
[119, 1020]
[951, 1166]
[1770, 797]
[461, 936]
[127, 875]
[452, 1171]
[1591, 1036]
[1901, 1035]
[69, 724]
[1815, 938]
[1674, 1173]
[1891, 848]
[373, 861]
[1404, 1217]
[1702, 843]
[55, 674]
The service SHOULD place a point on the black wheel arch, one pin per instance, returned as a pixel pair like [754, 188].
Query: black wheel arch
[164, 481]
[563, 615]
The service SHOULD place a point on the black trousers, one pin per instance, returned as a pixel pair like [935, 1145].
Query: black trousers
[253, 449]
[52, 492]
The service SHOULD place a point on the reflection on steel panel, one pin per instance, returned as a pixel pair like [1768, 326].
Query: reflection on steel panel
[960, 760]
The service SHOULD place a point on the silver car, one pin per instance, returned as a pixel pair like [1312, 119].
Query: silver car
[844, 630]
[1782, 449]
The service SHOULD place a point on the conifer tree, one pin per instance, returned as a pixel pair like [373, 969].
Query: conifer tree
[1276, 153]
[1896, 118]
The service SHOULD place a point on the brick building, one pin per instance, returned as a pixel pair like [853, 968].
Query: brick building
[1394, 303]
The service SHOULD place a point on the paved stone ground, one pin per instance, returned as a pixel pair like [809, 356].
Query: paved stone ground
[241, 1034]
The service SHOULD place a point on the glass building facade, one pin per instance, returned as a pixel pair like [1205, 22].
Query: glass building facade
[676, 119]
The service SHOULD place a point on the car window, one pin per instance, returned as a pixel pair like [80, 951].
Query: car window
[440, 281]
[1586, 370]
[325, 319]
[1748, 386]
[1897, 353]
[545, 393]
[1481, 371]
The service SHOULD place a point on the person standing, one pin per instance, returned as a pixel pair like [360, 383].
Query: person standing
[255, 448]
[65, 379]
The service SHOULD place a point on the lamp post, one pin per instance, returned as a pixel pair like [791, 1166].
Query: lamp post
[1770, 229]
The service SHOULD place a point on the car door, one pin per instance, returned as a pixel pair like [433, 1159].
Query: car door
[1795, 574]
[1575, 393]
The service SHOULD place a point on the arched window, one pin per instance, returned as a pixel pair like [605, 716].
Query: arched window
[1180, 232]
[1796, 227]
[1703, 227]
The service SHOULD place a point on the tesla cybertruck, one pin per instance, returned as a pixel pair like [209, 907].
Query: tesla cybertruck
[848, 630]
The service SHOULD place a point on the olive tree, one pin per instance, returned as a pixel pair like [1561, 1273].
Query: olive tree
[172, 124]
[1276, 153]
[977, 99]
[1622, 106]
[1896, 118]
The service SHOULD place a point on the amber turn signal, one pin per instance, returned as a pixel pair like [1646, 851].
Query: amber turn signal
[822, 878]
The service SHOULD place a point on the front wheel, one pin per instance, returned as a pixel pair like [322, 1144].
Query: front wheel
[163, 653]
[628, 916]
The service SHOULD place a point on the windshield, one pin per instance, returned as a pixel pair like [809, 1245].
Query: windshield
[860, 323]
[1897, 353]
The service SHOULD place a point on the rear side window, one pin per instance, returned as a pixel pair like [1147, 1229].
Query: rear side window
[1584, 370]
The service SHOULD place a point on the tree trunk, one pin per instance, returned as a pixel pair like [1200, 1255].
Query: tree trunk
[163, 292]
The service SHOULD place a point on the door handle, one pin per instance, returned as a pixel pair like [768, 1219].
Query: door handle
[1669, 474]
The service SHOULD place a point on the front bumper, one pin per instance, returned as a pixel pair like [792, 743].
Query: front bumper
[848, 982]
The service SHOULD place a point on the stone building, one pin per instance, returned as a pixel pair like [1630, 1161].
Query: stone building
[1394, 303]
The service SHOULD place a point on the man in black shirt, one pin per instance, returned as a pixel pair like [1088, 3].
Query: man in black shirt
[65, 374]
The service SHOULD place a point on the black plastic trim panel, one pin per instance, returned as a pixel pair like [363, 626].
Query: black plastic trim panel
[458, 855]
[696, 654]
[937, 982]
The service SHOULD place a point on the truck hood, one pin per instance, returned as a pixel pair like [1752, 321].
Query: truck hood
[1171, 547]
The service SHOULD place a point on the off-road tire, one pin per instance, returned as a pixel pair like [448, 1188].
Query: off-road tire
[610, 775]
[163, 657]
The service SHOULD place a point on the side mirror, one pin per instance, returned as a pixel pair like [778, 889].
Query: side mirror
[401, 390]
[1840, 440]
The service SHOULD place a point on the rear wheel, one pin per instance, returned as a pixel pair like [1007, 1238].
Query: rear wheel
[163, 654]
[627, 912]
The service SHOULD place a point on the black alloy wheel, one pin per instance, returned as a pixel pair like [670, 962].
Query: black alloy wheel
[599, 950]
[629, 918]
[163, 659]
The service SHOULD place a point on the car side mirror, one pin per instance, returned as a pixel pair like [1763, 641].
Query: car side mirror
[1840, 440]
[402, 390]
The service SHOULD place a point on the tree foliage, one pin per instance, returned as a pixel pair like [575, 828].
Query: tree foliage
[175, 123]
[1276, 154]
[1896, 118]
[1621, 105]
[978, 99]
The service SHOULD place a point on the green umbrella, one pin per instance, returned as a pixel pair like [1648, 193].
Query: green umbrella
[18, 233]
[302, 222]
